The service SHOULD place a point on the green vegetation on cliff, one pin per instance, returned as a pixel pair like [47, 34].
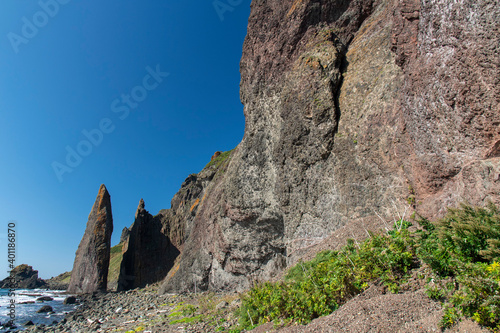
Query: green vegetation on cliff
[115, 261]
[462, 249]
[221, 158]
[65, 277]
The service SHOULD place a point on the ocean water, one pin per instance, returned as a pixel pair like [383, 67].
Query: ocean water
[26, 312]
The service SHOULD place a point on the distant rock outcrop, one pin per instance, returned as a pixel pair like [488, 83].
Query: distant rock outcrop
[26, 278]
[148, 253]
[60, 282]
[215, 155]
[90, 269]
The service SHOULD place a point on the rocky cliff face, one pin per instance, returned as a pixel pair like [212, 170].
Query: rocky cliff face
[90, 269]
[148, 254]
[125, 234]
[356, 111]
[450, 99]
[153, 243]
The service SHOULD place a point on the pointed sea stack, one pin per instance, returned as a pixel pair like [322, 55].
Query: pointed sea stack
[90, 270]
[148, 253]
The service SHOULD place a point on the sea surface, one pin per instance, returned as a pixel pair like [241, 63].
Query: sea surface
[26, 312]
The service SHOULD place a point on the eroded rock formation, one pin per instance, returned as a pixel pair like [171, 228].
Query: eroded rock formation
[90, 269]
[148, 254]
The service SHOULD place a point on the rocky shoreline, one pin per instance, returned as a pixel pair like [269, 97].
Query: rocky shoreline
[145, 310]
[148, 311]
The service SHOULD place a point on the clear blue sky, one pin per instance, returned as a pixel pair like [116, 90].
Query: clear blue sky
[69, 69]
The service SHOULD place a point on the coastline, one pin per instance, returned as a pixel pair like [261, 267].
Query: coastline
[28, 302]
[142, 310]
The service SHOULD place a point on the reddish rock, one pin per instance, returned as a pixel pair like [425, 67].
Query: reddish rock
[450, 100]
[90, 269]
[215, 155]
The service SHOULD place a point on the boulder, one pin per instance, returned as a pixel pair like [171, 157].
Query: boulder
[222, 305]
[45, 309]
[10, 325]
[215, 155]
[70, 300]
[44, 299]
[90, 269]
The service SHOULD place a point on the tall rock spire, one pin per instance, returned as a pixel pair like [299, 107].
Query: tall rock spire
[90, 270]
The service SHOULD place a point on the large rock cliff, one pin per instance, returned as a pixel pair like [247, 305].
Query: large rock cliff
[356, 111]
[90, 269]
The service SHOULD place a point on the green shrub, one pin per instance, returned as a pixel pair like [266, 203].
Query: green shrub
[219, 159]
[318, 287]
[473, 233]
[464, 245]
[435, 292]
[462, 249]
[298, 272]
[187, 320]
[479, 294]
[467, 234]
[451, 317]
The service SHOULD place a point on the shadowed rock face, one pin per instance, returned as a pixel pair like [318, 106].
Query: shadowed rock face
[356, 112]
[148, 253]
[90, 270]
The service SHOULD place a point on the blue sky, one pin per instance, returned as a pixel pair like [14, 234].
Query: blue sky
[71, 67]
